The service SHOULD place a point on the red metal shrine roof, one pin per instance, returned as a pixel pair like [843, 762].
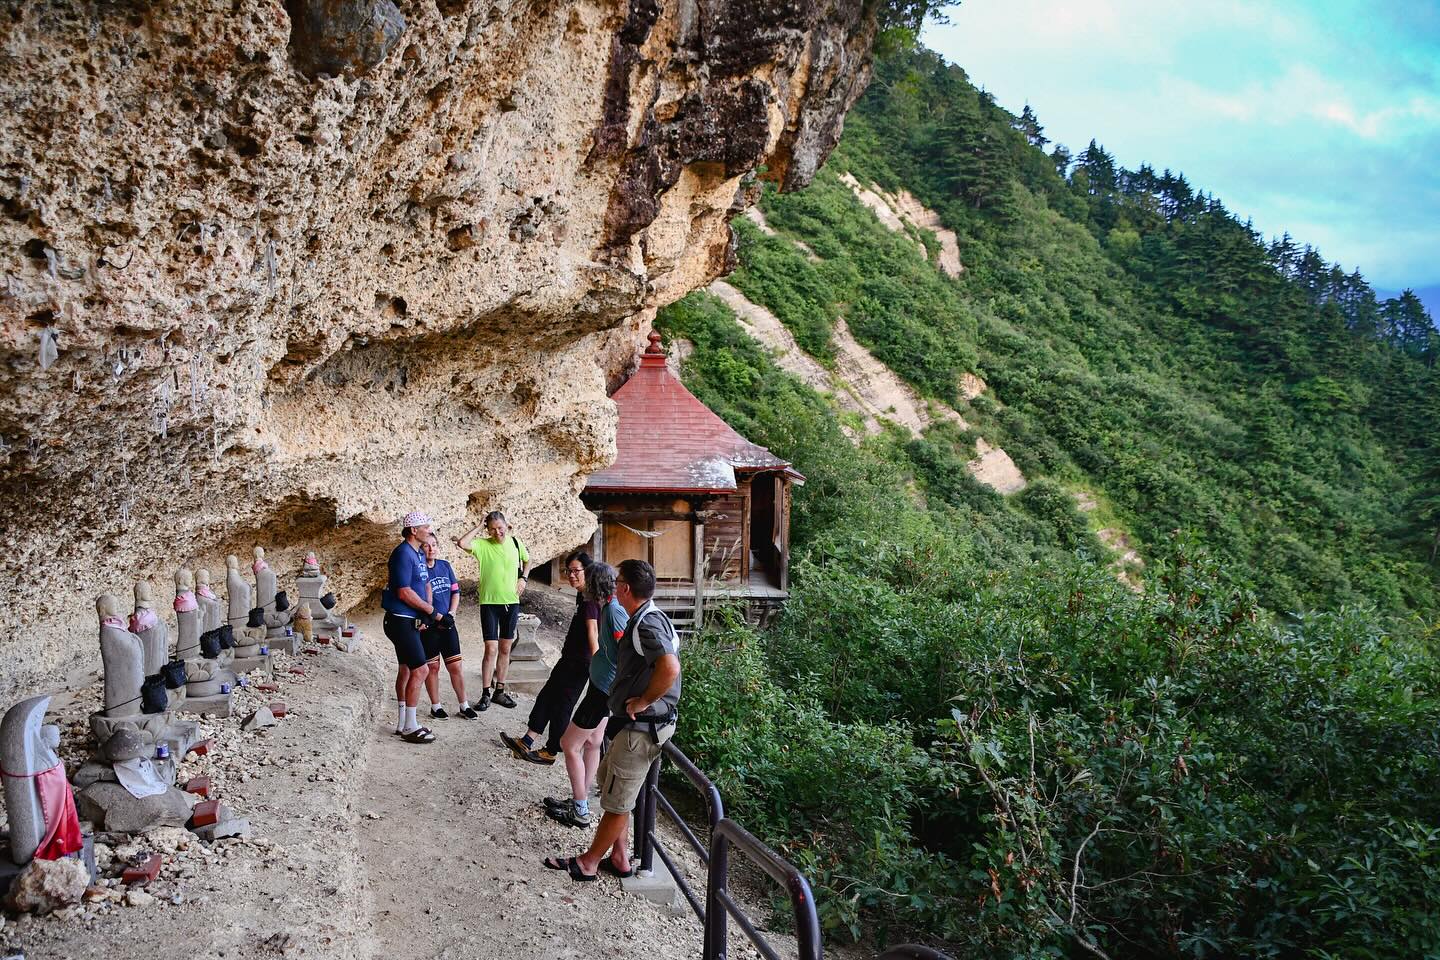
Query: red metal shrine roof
[669, 442]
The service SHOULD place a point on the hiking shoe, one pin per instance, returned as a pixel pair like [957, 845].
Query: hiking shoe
[484, 703]
[542, 756]
[567, 814]
[556, 803]
[437, 712]
[469, 713]
[517, 747]
[503, 698]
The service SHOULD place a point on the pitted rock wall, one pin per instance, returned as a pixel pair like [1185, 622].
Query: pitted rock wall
[276, 273]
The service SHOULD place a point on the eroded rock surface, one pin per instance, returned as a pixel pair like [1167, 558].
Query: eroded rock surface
[276, 273]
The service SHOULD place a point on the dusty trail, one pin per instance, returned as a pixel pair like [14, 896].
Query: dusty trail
[451, 835]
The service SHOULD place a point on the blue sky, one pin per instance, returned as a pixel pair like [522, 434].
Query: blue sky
[1318, 118]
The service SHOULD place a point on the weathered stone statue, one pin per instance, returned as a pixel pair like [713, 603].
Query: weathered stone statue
[38, 802]
[312, 585]
[146, 624]
[122, 655]
[278, 611]
[237, 592]
[266, 586]
[212, 611]
[304, 623]
[208, 679]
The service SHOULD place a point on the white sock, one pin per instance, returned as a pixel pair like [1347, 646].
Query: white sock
[410, 722]
[436, 706]
[400, 722]
[464, 704]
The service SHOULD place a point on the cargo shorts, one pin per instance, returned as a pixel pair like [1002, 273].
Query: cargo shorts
[626, 763]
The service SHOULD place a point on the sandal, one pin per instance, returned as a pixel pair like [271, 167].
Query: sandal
[608, 866]
[569, 865]
[418, 735]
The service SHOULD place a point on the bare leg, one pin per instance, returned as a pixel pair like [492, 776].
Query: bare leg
[402, 678]
[592, 755]
[432, 680]
[612, 830]
[572, 744]
[487, 666]
[502, 663]
[413, 685]
[457, 678]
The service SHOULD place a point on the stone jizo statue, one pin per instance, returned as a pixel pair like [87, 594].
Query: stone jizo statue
[212, 611]
[146, 624]
[237, 592]
[38, 801]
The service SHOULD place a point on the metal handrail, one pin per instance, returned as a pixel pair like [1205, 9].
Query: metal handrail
[725, 834]
[719, 906]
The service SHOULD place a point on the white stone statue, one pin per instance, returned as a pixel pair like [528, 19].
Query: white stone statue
[212, 611]
[237, 592]
[122, 655]
[148, 625]
[38, 801]
[208, 681]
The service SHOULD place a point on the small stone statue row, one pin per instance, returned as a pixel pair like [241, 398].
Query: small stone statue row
[129, 784]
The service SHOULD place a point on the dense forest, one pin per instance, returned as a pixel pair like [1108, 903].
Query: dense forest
[964, 726]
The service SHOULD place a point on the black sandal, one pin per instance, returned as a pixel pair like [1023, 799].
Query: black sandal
[607, 866]
[418, 735]
[572, 867]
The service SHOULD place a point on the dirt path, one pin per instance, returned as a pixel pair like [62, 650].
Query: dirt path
[451, 838]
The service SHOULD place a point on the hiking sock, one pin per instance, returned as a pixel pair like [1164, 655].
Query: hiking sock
[528, 742]
[582, 807]
[410, 723]
[464, 704]
[400, 720]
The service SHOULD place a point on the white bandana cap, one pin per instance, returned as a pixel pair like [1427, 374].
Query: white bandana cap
[415, 518]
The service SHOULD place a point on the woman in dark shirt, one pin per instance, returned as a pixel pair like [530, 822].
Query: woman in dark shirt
[557, 698]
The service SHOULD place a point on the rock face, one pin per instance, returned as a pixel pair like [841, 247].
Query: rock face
[277, 273]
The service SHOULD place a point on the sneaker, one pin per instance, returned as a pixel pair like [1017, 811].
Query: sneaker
[437, 712]
[503, 698]
[469, 713]
[568, 815]
[555, 803]
[542, 756]
[484, 703]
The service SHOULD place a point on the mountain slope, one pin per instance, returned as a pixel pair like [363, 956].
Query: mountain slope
[1023, 757]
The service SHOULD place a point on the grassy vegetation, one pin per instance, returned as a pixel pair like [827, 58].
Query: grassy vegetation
[963, 726]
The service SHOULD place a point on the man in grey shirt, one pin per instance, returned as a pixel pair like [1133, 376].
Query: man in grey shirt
[643, 699]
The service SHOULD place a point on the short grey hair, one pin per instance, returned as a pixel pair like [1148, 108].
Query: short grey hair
[599, 581]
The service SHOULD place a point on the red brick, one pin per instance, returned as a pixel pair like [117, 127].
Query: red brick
[300, 671]
[200, 785]
[277, 709]
[312, 653]
[142, 871]
[205, 813]
[267, 687]
[324, 641]
[203, 747]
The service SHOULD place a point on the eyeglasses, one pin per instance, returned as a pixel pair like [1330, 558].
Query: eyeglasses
[573, 572]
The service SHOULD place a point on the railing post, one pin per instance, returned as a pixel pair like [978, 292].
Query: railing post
[645, 820]
[717, 919]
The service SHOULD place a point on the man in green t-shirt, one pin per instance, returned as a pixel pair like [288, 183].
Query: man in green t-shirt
[504, 568]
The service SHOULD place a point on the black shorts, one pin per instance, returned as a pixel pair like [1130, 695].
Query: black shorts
[593, 709]
[499, 620]
[409, 646]
[444, 643]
